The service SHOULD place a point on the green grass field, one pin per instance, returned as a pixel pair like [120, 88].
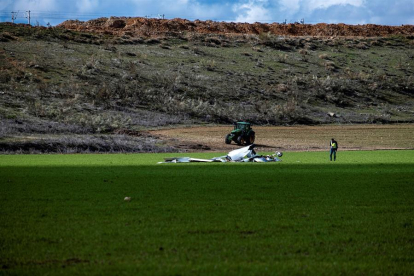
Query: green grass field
[66, 214]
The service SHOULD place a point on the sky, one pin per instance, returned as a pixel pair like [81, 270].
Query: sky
[382, 12]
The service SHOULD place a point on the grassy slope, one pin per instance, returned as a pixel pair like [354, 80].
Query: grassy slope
[58, 81]
[66, 214]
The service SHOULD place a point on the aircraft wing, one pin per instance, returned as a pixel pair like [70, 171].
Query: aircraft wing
[245, 154]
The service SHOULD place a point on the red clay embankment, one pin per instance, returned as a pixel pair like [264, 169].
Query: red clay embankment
[148, 27]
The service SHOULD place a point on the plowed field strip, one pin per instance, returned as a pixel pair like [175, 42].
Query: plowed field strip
[297, 138]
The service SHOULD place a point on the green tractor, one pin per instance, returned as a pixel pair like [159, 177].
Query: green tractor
[242, 134]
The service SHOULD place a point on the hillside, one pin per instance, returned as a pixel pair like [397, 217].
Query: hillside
[100, 85]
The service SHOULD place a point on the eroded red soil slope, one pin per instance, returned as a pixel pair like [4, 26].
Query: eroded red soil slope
[161, 27]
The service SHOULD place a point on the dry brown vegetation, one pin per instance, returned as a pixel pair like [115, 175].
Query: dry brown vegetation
[150, 27]
[56, 82]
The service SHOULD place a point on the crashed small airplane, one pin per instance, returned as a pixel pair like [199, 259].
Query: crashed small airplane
[246, 154]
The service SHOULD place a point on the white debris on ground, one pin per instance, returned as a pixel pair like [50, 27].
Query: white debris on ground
[246, 154]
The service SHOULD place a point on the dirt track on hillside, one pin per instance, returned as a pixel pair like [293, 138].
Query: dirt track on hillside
[295, 138]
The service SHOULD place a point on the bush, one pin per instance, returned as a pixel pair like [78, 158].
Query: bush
[86, 144]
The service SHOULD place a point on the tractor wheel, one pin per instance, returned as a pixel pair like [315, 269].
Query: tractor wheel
[251, 139]
[240, 140]
[228, 139]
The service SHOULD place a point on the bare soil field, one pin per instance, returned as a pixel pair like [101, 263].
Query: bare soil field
[295, 138]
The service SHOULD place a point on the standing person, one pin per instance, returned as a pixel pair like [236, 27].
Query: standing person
[334, 148]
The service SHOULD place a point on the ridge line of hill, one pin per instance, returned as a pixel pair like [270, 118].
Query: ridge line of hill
[138, 26]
